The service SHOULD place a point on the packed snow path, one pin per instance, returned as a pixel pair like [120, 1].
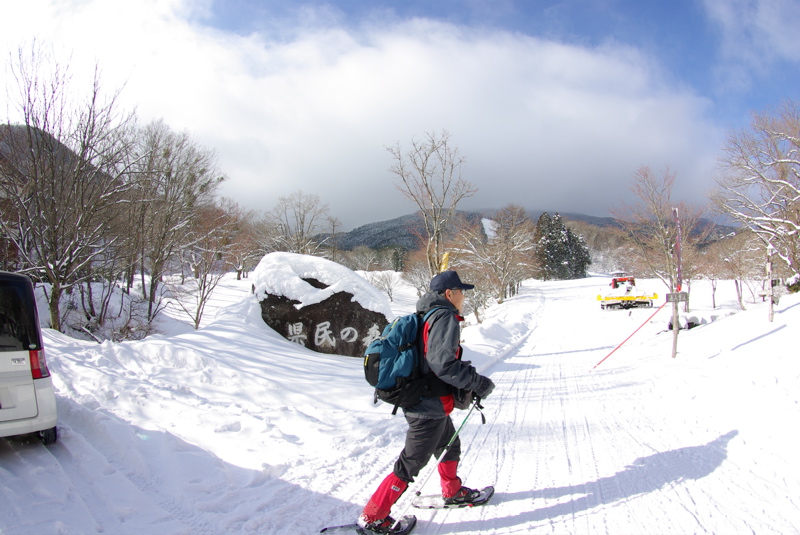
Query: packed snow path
[614, 450]
[577, 451]
[231, 429]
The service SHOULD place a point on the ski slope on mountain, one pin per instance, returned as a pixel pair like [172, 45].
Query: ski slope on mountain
[232, 429]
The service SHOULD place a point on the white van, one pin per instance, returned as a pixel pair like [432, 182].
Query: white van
[27, 397]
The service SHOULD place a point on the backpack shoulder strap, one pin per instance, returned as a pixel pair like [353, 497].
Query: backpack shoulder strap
[422, 329]
[418, 353]
[431, 311]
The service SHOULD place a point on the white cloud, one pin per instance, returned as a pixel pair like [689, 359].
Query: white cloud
[542, 124]
[758, 30]
[755, 35]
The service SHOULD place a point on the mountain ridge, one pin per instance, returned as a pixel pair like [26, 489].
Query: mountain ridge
[408, 231]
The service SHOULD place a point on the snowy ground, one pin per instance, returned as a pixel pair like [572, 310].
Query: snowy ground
[232, 429]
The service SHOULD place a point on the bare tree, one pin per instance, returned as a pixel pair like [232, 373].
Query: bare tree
[505, 255]
[175, 180]
[332, 252]
[296, 221]
[711, 267]
[417, 273]
[361, 258]
[760, 185]
[741, 260]
[429, 174]
[650, 225]
[207, 258]
[62, 173]
[385, 281]
[243, 252]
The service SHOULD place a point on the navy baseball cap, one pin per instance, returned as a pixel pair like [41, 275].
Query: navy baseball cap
[448, 280]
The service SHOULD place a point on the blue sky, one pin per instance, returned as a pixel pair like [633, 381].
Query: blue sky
[691, 40]
[555, 104]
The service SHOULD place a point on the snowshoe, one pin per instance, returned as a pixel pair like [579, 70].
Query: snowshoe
[465, 497]
[405, 527]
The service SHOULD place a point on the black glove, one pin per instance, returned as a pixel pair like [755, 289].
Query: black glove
[484, 388]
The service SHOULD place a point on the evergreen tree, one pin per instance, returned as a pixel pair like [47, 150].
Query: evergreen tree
[579, 258]
[562, 254]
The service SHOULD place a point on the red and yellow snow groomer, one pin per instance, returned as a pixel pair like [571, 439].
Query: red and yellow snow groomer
[624, 294]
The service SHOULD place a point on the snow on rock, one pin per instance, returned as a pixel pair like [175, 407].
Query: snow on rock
[283, 274]
[320, 305]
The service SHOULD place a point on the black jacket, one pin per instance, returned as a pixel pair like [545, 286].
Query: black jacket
[441, 337]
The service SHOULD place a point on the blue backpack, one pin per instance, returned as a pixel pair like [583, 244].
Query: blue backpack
[392, 362]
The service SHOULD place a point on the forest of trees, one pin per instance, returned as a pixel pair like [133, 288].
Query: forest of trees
[94, 204]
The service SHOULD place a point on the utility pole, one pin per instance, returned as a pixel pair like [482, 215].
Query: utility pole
[678, 295]
[770, 292]
[770, 287]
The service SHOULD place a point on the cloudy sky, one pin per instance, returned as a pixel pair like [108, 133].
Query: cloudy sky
[554, 103]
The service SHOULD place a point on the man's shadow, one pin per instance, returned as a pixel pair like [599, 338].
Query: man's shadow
[644, 475]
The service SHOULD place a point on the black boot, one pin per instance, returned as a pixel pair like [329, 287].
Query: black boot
[464, 495]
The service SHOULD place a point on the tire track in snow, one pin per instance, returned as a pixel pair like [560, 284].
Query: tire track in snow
[72, 479]
[25, 464]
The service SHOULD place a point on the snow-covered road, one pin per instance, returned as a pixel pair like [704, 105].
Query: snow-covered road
[231, 429]
[625, 448]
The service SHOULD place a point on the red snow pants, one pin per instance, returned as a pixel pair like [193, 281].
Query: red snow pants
[425, 438]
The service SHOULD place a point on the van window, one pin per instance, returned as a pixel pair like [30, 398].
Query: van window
[18, 329]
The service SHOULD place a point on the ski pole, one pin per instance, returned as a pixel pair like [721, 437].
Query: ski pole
[475, 404]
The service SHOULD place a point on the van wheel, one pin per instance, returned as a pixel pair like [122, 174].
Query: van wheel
[48, 436]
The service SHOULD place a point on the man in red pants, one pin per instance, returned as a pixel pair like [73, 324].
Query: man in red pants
[429, 425]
